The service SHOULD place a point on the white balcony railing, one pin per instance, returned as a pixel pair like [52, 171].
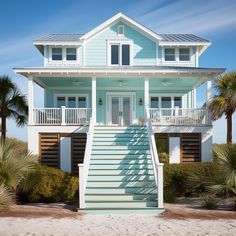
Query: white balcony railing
[61, 116]
[180, 116]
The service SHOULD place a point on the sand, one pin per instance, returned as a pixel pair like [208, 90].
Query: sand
[59, 220]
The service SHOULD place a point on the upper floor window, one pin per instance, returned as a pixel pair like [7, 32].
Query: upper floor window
[120, 54]
[121, 30]
[184, 54]
[71, 54]
[77, 101]
[169, 54]
[56, 54]
[178, 102]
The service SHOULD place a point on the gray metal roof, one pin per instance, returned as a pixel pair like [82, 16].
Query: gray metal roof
[60, 38]
[183, 38]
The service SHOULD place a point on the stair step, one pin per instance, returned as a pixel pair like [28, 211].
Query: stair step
[120, 210]
[128, 140]
[121, 196]
[121, 190]
[120, 172]
[120, 156]
[116, 147]
[118, 204]
[101, 142]
[115, 184]
[121, 161]
[119, 152]
[124, 135]
[120, 177]
[120, 167]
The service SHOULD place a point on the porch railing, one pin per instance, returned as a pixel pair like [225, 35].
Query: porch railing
[180, 116]
[61, 116]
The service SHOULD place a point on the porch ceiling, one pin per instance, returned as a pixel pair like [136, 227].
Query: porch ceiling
[122, 82]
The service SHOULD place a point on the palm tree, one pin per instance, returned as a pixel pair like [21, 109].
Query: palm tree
[224, 103]
[12, 104]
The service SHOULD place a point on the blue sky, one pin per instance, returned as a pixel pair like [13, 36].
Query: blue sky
[25, 20]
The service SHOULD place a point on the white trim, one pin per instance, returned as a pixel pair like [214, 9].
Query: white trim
[163, 43]
[56, 43]
[119, 16]
[67, 95]
[132, 96]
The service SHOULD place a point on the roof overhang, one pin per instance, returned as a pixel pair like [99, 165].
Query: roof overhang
[118, 72]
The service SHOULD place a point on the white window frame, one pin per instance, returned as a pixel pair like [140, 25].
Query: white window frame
[177, 61]
[172, 96]
[77, 61]
[67, 95]
[123, 30]
[120, 43]
[76, 53]
[164, 54]
[61, 54]
[189, 49]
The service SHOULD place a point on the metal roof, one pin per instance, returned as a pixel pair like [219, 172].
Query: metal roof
[60, 38]
[182, 38]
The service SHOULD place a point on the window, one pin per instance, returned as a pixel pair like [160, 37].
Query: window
[71, 101]
[169, 54]
[125, 54]
[121, 30]
[178, 102]
[71, 54]
[82, 102]
[120, 54]
[154, 102]
[184, 54]
[56, 54]
[166, 102]
[115, 54]
[61, 102]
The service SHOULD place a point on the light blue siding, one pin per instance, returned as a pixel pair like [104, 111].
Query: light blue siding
[144, 50]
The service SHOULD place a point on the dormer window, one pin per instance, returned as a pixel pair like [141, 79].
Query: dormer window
[120, 54]
[184, 54]
[169, 54]
[56, 54]
[121, 30]
[71, 54]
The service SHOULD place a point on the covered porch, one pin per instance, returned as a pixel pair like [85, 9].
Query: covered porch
[120, 97]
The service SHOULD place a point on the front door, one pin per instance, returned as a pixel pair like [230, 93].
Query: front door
[121, 110]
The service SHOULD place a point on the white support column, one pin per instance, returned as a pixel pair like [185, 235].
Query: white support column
[30, 101]
[208, 90]
[160, 185]
[94, 99]
[146, 93]
[194, 102]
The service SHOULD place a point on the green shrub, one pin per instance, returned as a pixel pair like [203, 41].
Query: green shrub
[177, 177]
[52, 185]
[164, 157]
[209, 201]
[169, 195]
[6, 198]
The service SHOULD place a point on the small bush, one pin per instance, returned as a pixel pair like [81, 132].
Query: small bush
[164, 157]
[209, 201]
[177, 178]
[6, 198]
[169, 195]
[52, 185]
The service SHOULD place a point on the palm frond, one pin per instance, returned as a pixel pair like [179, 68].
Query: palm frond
[6, 198]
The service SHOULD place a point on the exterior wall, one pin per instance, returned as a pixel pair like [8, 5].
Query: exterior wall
[206, 145]
[144, 50]
[33, 134]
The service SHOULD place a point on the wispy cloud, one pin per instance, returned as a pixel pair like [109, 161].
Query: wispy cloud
[190, 16]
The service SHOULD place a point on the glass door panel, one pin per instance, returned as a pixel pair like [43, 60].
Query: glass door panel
[71, 102]
[126, 111]
[115, 104]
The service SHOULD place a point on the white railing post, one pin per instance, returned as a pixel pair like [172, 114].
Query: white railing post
[146, 97]
[94, 99]
[30, 101]
[63, 115]
[83, 168]
[160, 185]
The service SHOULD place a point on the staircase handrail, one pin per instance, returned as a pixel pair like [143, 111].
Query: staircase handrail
[84, 167]
[157, 166]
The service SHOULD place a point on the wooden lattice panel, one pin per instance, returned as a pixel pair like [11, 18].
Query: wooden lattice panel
[190, 144]
[49, 149]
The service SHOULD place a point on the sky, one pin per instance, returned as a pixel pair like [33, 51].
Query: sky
[26, 20]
